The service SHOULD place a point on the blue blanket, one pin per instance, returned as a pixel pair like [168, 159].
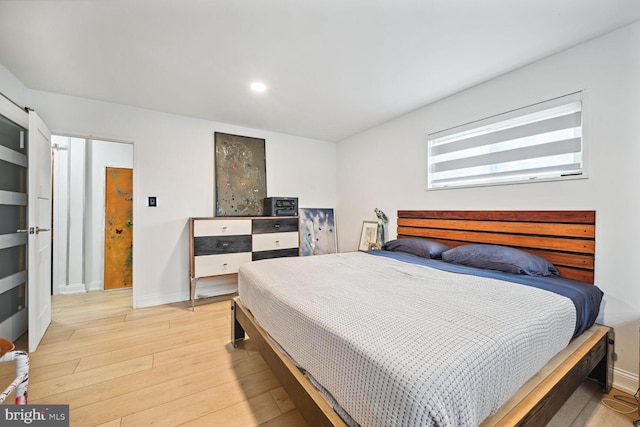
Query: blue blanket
[586, 297]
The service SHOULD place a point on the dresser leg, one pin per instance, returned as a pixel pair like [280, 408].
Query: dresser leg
[194, 282]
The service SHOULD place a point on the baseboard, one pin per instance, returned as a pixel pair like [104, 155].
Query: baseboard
[157, 299]
[205, 288]
[77, 288]
[95, 286]
[625, 381]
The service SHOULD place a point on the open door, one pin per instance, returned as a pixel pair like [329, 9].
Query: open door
[39, 220]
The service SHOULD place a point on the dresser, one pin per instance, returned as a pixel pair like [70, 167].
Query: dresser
[219, 245]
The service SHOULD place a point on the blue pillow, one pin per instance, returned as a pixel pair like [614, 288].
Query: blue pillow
[416, 246]
[501, 258]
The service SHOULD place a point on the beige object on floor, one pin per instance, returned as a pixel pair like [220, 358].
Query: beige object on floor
[6, 346]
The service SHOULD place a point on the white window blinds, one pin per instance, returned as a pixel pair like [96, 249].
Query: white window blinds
[541, 141]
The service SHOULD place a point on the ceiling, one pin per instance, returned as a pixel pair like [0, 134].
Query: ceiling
[333, 67]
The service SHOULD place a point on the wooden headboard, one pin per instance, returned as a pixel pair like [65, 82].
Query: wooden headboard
[565, 238]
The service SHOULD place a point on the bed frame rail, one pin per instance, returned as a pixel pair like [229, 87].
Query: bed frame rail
[308, 400]
[539, 400]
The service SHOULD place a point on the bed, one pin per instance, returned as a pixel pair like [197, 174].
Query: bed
[366, 353]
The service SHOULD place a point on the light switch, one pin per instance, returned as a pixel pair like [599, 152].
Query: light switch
[152, 201]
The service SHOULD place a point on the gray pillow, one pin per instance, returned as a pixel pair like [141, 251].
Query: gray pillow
[416, 246]
[501, 258]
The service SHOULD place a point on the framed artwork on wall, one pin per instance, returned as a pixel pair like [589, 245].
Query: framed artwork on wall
[317, 231]
[240, 175]
[368, 235]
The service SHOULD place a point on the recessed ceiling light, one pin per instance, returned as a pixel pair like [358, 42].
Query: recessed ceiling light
[258, 87]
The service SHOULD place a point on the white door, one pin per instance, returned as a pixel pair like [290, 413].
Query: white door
[39, 220]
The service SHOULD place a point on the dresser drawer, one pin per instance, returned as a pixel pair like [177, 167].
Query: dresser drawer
[213, 265]
[275, 225]
[281, 253]
[216, 227]
[275, 241]
[215, 245]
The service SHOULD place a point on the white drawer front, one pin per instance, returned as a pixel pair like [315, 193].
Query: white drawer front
[274, 241]
[214, 227]
[212, 265]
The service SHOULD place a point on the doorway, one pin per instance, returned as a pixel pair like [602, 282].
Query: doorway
[79, 191]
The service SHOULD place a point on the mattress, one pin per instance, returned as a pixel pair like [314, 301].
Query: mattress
[402, 344]
[586, 297]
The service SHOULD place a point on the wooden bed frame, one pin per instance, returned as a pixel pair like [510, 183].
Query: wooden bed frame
[566, 238]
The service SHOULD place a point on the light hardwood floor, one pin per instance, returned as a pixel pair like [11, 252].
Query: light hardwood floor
[169, 366]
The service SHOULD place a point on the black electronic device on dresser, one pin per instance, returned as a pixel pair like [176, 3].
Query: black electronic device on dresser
[281, 206]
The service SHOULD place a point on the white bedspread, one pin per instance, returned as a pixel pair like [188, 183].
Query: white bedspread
[398, 344]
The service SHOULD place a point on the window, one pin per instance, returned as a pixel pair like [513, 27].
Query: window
[542, 141]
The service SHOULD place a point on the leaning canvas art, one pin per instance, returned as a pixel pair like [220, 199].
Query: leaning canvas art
[317, 231]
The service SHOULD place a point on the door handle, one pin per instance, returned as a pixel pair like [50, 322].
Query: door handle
[32, 230]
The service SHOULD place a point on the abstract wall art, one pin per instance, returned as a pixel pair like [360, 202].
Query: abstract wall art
[118, 229]
[240, 175]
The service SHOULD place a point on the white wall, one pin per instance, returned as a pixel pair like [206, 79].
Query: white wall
[12, 88]
[392, 158]
[173, 160]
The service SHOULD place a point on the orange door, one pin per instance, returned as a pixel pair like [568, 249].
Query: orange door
[118, 229]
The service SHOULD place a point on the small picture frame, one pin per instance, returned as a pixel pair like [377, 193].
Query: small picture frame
[368, 236]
